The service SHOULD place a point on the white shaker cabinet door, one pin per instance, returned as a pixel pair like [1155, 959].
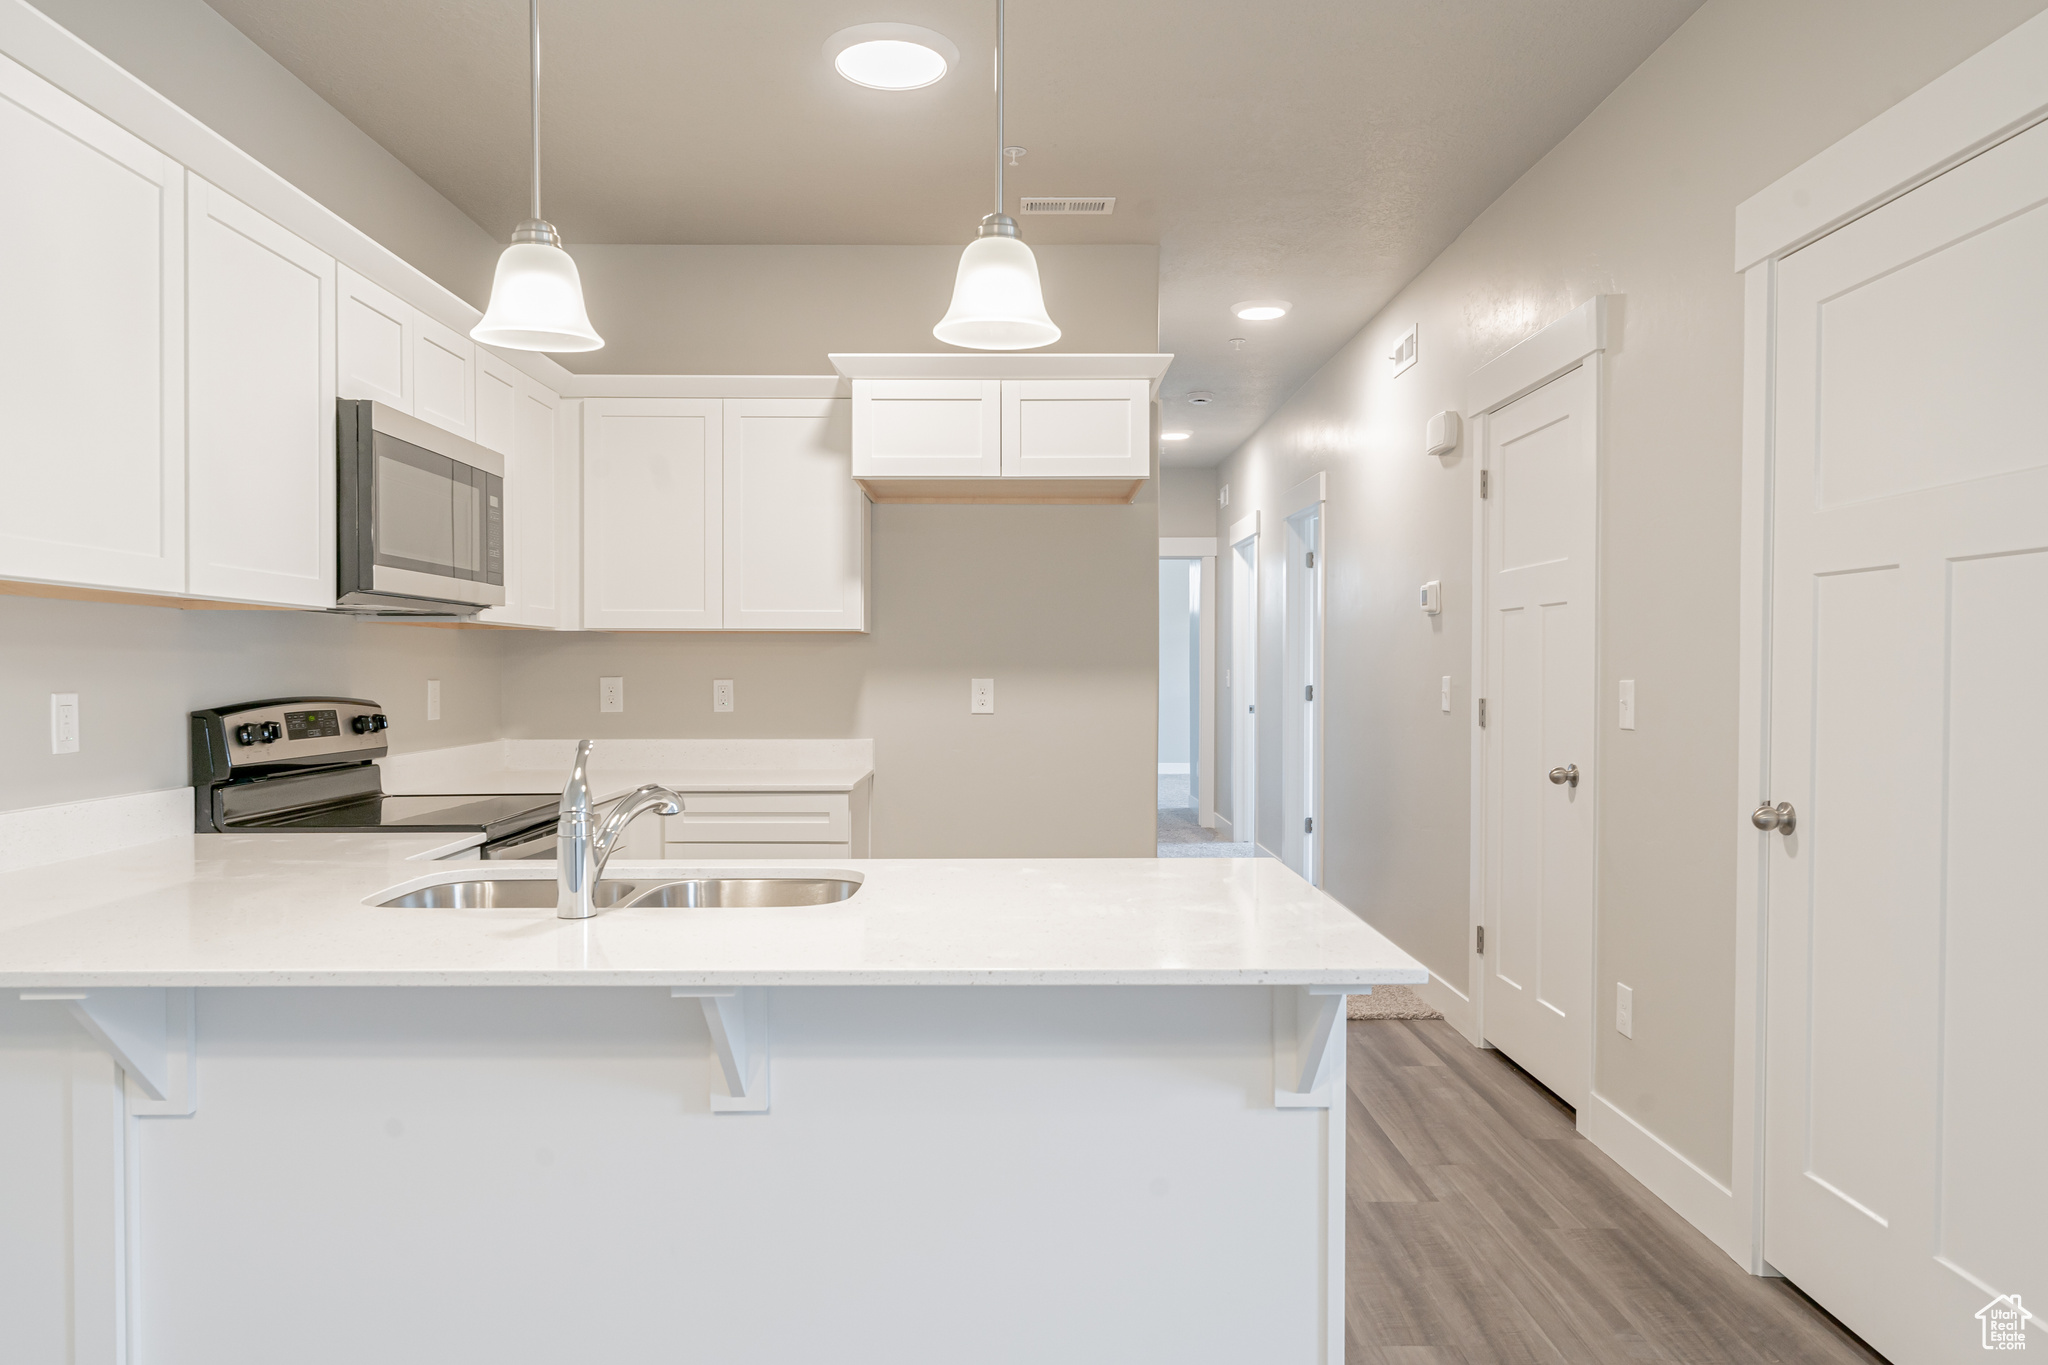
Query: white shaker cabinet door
[796, 524]
[652, 501]
[374, 334]
[1077, 428]
[516, 418]
[927, 428]
[260, 375]
[92, 353]
[443, 376]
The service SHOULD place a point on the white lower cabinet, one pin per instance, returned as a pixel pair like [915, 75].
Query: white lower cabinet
[653, 514]
[91, 355]
[516, 417]
[796, 525]
[260, 405]
[769, 825]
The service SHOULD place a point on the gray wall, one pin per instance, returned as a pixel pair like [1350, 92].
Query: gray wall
[783, 309]
[1187, 502]
[202, 63]
[1638, 201]
[138, 671]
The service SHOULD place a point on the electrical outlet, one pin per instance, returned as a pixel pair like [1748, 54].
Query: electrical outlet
[721, 694]
[433, 699]
[1446, 694]
[981, 697]
[63, 722]
[1628, 703]
[611, 694]
[1624, 1011]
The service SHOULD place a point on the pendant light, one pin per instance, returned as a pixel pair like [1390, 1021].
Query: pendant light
[997, 302]
[537, 295]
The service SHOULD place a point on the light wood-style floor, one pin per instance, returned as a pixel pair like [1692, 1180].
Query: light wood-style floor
[1484, 1229]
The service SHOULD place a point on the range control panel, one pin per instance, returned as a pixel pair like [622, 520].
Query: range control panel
[292, 732]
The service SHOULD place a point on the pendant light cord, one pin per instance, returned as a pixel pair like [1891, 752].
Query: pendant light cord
[999, 104]
[535, 70]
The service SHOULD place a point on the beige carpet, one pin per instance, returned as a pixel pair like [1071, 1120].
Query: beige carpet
[1390, 1002]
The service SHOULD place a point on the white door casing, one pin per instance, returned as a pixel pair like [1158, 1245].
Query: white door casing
[1541, 460]
[1908, 600]
[1243, 693]
[1301, 694]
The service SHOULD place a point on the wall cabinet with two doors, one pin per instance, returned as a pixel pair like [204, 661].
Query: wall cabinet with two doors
[722, 514]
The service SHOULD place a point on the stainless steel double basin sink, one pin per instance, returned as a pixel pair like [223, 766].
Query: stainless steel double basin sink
[533, 893]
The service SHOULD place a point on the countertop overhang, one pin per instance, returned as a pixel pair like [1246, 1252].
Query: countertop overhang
[298, 910]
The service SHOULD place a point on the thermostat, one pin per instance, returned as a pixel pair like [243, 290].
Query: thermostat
[1441, 437]
[1432, 598]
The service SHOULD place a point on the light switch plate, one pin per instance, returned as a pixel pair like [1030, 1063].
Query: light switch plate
[433, 699]
[981, 697]
[63, 722]
[1624, 1011]
[1628, 703]
[1432, 597]
[721, 694]
[611, 694]
[1447, 692]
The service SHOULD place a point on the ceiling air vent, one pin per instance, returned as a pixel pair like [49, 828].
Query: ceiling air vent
[1094, 207]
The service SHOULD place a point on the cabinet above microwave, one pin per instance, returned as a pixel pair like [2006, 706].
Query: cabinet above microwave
[1003, 428]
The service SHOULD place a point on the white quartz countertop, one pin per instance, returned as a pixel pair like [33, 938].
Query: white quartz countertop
[298, 910]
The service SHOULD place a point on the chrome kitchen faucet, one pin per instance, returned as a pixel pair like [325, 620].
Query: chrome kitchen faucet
[581, 854]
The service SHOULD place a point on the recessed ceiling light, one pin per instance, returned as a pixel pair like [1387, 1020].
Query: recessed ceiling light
[891, 56]
[1261, 310]
[1175, 435]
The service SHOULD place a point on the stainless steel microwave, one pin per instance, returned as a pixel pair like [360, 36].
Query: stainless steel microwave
[422, 516]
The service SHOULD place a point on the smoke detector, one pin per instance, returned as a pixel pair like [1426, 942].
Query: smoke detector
[1097, 207]
[1201, 396]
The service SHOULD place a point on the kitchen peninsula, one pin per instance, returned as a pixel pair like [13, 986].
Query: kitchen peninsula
[252, 1097]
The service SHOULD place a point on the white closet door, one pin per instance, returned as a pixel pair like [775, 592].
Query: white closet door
[652, 475]
[260, 363]
[373, 342]
[796, 524]
[1542, 463]
[91, 350]
[1905, 1119]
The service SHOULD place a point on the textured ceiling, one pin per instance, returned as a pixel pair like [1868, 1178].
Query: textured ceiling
[1321, 151]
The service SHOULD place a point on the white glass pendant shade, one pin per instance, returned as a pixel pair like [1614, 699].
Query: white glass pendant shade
[537, 303]
[997, 302]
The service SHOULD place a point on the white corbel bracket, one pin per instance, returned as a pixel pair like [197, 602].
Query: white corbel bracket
[738, 1019]
[1305, 1039]
[151, 1032]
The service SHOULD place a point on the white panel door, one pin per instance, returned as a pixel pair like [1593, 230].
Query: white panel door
[1542, 459]
[1077, 428]
[796, 524]
[652, 522]
[260, 368]
[1301, 745]
[443, 376]
[927, 428]
[91, 347]
[373, 342]
[1905, 1118]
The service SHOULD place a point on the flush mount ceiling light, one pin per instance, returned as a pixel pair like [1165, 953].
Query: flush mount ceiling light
[997, 302]
[891, 56]
[536, 296]
[1175, 435]
[1261, 310]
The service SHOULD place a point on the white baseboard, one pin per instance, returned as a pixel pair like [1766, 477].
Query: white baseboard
[83, 829]
[1173, 770]
[1223, 829]
[1693, 1195]
[1455, 1006]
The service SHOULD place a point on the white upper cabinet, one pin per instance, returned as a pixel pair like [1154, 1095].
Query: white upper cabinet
[260, 385]
[796, 524]
[1077, 428]
[443, 376]
[374, 350]
[516, 417]
[927, 429]
[652, 514]
[91, 358]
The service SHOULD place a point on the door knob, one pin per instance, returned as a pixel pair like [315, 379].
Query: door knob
[1780, 817]
[1567, 776]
